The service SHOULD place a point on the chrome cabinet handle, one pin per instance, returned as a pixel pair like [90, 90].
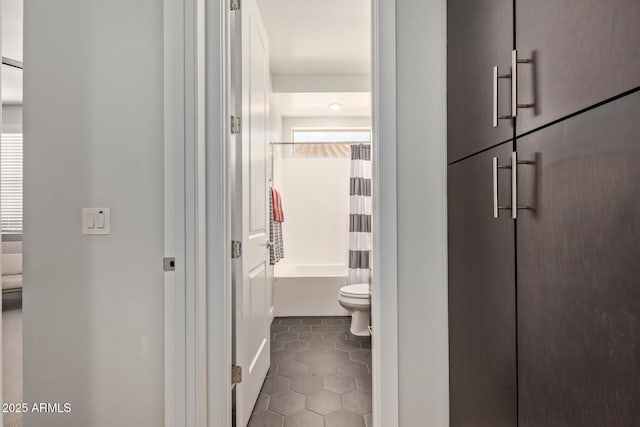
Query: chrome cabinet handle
[496, 206]
[513, 207]
[496, 77]
[514, 183]
[514, 83]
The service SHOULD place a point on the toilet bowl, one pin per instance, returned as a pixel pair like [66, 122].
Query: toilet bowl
[356, 300]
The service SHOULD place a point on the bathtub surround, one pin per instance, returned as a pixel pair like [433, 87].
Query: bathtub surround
[320, 375]
[308, 290]
[360, 210]
[315, 191]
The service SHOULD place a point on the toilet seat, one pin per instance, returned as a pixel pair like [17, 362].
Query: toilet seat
[360, 290]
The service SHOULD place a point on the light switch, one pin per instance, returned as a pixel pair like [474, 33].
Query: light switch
[90, 218]
[96, 221]
[100, 221]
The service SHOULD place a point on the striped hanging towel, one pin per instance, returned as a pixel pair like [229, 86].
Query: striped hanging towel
[275, 233]
[360, 215]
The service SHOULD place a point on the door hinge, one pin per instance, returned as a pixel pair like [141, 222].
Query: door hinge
[235, 125]
[236, 374]
[235, 4]
[169, 264]
[236, 249]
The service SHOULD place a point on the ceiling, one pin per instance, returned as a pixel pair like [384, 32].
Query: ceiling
[12, 12]
[318, 36]
[12, 29]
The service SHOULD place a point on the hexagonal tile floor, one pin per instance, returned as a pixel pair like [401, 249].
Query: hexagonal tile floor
[320, 375]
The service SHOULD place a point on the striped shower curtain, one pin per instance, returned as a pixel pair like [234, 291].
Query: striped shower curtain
[360, 210]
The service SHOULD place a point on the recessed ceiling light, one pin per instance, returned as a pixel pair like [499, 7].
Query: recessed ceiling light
[335, 106]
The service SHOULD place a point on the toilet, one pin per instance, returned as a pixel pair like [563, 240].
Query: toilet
[357, 301]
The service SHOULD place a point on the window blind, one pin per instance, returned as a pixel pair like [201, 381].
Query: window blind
[11, 183]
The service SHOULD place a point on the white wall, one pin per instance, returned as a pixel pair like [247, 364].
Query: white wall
[12, 118]
[93, 305]
[422, 231]
[288, 123]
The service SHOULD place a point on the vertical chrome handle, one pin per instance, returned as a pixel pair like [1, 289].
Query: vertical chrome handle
[514, 83]
[514, 185]
[495, 187]
[496, 115]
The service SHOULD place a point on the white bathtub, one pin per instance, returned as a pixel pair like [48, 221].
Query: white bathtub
[308, 290]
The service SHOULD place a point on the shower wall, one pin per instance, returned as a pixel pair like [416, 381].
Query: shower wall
[315, 194]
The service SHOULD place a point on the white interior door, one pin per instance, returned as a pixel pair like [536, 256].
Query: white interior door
[251, 211]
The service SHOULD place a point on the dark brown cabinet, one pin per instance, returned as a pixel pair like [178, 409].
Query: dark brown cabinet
[481, 296]
[479, 37]
[544, 308]
[579, 270]
[584, 52]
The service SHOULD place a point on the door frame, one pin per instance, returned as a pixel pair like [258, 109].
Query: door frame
[1, 340]
[198, 308]
[185, 181]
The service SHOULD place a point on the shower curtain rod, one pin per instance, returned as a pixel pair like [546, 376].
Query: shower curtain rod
[320, 142]
[12, 63]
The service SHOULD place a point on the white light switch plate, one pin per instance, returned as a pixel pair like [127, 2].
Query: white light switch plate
[96, 221]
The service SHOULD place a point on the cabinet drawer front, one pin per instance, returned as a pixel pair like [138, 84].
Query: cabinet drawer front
[584, 52]
[479, 37]
[579, 270]
[481, 295]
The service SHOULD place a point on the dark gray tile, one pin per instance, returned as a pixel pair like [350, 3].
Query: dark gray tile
[286, 337]
[356, 401]
[276, 329]
[347, 345]
[275, 384]
[299, 329]
[353, 369]
[282, 356]
[286, 403]
[368, 419]
[276, 346]
[318, 362]
[322, 328]
[266, 419]
[292, 369]
[341, 328]
[310, 336]
[339, 384]
[322, 346]
[322, 368]
[304, 418]
[323, 402]
[363, 382]
[309, 356]
[333, 336]
[261, 404]
[290, 321]
[272, 369]
[362, 355]
[336, 356]
[296, 346]
[344, 418]
[306, 384]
